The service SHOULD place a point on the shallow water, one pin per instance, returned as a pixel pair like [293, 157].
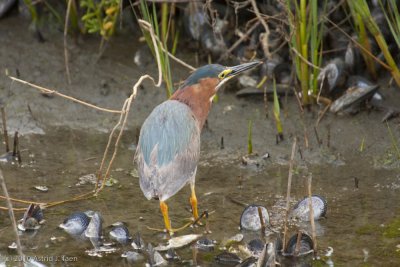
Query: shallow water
[356, 219]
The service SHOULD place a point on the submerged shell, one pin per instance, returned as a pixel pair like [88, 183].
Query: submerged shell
[178, 242]
[205, 244]
[32, 218]
[76, 223]
[249, 262]
[227, 258]
[171, 255]
[301, 210]
[95, 226]
[120, 233]
[132, 256]
[138, 242]
[250, 219]
[155, 257]
[256, 246]
[305, 246]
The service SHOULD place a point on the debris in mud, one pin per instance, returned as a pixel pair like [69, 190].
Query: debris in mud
[41, 188]
[87, 179]
[178, 242]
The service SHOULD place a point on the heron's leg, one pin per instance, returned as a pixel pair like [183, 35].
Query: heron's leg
[193, 202]
[164, 211]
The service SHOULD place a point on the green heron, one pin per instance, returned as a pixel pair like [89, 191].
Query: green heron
[169, 143]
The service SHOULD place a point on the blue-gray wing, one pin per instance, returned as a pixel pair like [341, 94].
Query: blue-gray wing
[168, 150]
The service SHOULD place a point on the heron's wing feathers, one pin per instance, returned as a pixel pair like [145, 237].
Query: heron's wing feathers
[168, 150]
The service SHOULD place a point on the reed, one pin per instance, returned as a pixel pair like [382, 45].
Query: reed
[392, 15]
[361, 8]
[162, 37]
[250, 138]
[306, 31]
[362, 36]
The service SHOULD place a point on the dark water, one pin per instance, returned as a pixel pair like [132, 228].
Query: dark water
[356, 226]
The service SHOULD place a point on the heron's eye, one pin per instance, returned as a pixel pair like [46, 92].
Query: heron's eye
[224, 73]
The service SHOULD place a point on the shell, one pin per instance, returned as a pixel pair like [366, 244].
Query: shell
[120, 233]
[205, 244]
[75, 224]
[132, 256]
[227, 258]
[301, 210]
[306, 245]
[32, 218]
[94, 228]
[250, 220]
[353, 96]
[249, 262]
[138, 242]
[178, 242]
[256, 246]
[171, 255]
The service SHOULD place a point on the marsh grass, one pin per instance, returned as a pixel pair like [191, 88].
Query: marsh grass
[306, 32]
[250, 137]
[162, 37]
[392, 16]
[362, 36]
[361, 9]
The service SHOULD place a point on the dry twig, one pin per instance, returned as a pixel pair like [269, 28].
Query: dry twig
[12, 218]
[65, 41]
[288, 193]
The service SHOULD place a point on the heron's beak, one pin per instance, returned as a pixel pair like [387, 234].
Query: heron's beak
[243, 67]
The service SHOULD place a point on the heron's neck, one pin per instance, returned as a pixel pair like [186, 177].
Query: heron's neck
[198, 97]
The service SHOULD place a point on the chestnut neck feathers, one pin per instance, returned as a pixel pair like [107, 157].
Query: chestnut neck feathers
[198, 97]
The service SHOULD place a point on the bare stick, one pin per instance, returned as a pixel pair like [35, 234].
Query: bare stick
[125, 111]
[5, 133]
[65, 41]
[12, 218]
[288, 193]
[48, 91]
[311, 215]
[264, 41]
[260, 215]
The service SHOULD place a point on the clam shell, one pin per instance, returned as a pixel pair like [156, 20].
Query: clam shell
[302, 209]
[205, 244]
[120, 233]
[250, 220]
[227, 258]
[353, 96]
[256, 246]
[306, 245]
[75, 224]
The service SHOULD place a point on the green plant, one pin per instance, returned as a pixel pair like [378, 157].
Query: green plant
[361, 8]
[306, 32]
[162, 40]
[250, 138]
[100, 16]
[392, 16]
[364, 41]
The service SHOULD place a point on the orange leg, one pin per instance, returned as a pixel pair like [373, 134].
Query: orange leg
[164, 211]
[193, 202]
